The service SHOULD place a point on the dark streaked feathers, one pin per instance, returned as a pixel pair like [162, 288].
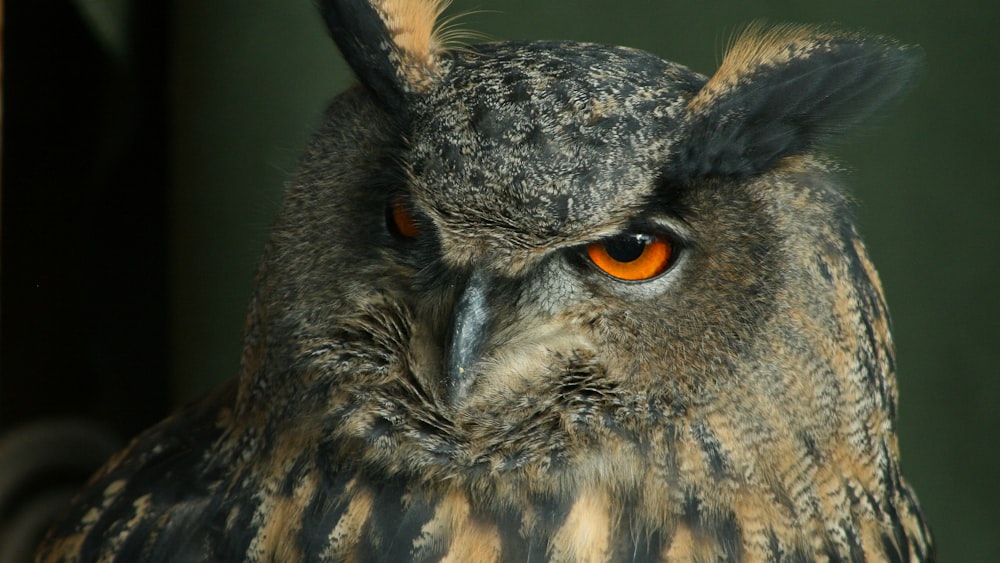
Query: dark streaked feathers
[740, 405]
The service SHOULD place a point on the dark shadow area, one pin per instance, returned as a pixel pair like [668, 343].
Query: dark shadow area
[84, 296]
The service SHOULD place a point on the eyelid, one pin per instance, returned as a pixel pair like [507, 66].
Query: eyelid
[678, 231]
[675, 229]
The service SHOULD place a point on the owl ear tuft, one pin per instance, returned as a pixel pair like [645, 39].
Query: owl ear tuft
[782, 90]
[393, 46]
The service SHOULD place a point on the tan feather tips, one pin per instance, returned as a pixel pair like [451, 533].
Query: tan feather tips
[782, 90]
[412, 25]
[756, 47]
[393, 46]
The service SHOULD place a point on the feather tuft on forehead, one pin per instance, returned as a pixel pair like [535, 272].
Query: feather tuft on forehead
[785, 89]
[412, 25]
[759, 45]
[393, 46]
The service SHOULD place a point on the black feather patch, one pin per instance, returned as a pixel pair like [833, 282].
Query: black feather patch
[367, 46]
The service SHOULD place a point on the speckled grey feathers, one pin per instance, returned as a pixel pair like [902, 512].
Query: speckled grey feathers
[437, 368]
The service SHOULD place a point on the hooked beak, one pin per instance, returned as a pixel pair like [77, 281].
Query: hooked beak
[470, 331]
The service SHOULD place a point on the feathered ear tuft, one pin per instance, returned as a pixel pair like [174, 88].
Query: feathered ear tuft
[782, 90]
[393, 46]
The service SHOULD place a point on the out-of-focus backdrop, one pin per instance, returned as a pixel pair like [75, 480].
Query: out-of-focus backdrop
[146, 142]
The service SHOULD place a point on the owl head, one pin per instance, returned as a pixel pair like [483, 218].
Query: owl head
[548, 301]
[530, 267]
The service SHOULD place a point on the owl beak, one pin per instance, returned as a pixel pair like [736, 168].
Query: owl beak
[470, 328]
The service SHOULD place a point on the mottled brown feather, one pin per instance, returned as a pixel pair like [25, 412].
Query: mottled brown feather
[740, 406]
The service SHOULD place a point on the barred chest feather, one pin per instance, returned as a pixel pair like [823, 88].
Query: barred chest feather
[222, 503]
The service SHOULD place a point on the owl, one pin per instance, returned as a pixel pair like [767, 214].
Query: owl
[547, 301]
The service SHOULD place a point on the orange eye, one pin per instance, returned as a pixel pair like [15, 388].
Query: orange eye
[400, 221]
[632, 256]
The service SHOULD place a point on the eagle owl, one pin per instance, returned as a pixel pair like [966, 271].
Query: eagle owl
[547, 301]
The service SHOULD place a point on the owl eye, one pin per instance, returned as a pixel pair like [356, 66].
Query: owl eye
[399, 220]
[632, 256]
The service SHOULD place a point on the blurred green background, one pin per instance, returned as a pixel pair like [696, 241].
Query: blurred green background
[247, 81]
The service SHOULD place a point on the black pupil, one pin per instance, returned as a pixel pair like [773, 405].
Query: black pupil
[390, 221]
[627, 248]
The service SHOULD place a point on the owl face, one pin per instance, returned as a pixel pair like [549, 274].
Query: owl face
[543, 163]
[543, 237]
